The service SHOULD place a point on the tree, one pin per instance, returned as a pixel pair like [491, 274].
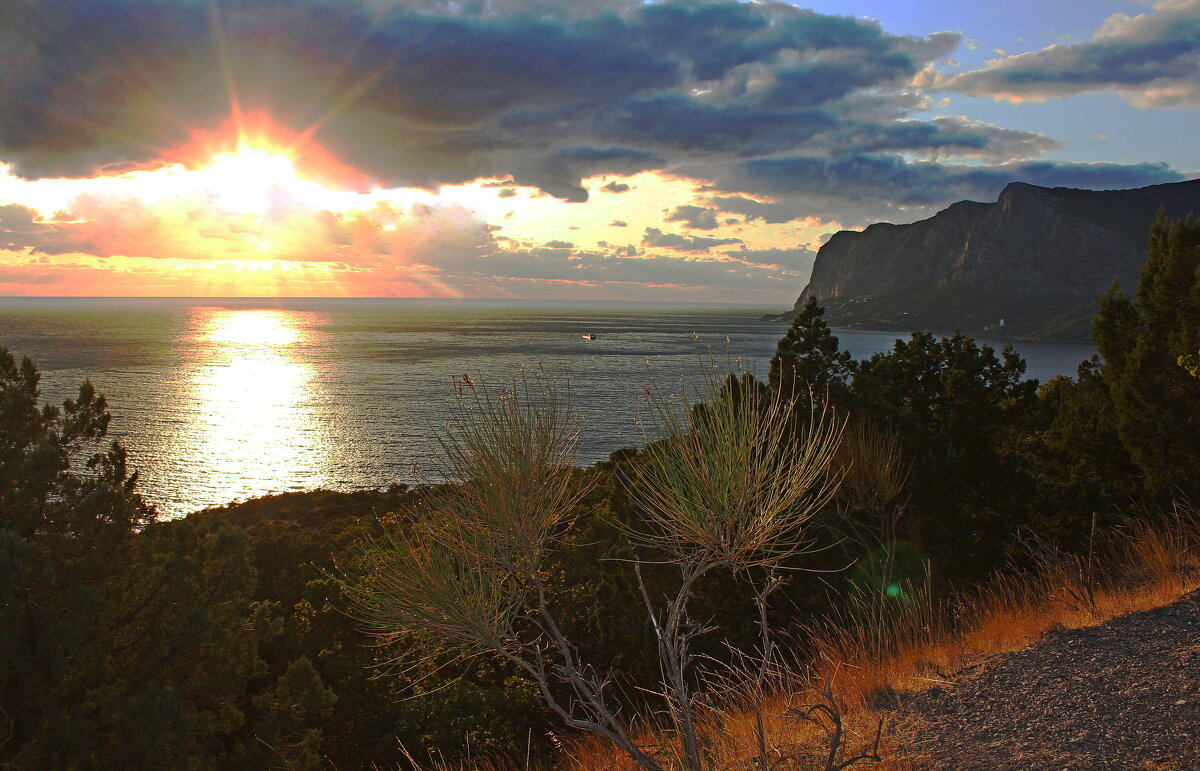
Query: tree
[730, 486]
[290, 715]
[62, 536]
[1156, 402]
[469, 576]
[1082, 466]
[808, 362]
[954, 407]
[122, 644]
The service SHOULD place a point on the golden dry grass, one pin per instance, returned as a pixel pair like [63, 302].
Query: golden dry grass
[1142, 565]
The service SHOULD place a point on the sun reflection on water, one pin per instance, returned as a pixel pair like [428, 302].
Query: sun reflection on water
[253, 394]
[253, 329]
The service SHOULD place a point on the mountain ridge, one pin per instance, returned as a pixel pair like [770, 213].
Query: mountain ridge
[1032, 264]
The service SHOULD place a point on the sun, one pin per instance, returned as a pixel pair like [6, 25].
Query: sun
[250, 179]
[251, 163]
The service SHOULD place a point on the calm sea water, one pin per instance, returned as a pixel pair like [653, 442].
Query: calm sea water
[221, 400]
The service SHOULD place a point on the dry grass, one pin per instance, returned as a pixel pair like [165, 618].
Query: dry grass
[1144, 564]
[865, 666]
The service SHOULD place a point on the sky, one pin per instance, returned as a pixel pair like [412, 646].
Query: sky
[580, 150]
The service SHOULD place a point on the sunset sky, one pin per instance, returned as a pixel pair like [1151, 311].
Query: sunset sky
[577, 149]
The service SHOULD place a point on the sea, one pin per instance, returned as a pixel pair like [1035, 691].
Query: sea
[222, 400]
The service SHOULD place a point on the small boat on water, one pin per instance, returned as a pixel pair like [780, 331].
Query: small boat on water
[589, 336]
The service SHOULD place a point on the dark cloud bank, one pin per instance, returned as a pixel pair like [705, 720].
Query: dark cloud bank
[754, 98]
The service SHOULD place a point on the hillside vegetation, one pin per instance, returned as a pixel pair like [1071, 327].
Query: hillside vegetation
[759, 585]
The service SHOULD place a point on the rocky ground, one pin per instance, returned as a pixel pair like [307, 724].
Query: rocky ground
[1122, 695]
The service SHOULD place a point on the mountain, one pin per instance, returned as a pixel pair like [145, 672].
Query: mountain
[1032, 264]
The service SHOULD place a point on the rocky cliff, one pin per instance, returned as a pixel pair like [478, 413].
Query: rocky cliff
[1037, 260]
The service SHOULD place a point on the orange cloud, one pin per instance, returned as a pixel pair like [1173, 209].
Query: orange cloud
[205, 232]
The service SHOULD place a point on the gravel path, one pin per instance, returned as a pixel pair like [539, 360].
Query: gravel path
[1122, 695]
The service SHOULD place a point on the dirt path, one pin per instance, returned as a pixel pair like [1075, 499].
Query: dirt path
[1122, 695]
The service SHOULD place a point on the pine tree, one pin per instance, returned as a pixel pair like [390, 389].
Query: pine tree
[1157, 403]
[808, 360]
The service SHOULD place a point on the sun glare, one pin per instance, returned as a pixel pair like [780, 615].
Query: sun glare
[245, 167]
[248, 180]
[251, 163]
[253, 179]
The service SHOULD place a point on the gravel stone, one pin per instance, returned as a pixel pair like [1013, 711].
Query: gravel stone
[1121, 695]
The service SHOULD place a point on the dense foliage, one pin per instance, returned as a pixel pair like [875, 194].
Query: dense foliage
[1142, 340]
[222, 641]
[118, 648]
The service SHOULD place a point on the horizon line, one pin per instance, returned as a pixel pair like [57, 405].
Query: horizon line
[744, 303]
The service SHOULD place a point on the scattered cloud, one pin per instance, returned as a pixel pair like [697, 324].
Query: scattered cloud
[794, 261]
[697, 217]
[771, 213]
[656, 238]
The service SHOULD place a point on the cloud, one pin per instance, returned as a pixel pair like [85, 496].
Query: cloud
[559, 173]
[125, 245]
[769, 213]
[942, 136]
[795, 261]
[656, 238]
[675, 123]
[432, 92]
[694, 217]
[20, 228]
[893, 180]
[1151, 59]
[12, 275]
[749, 112]
[193, 228]
[623, 272]
[24, 230]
